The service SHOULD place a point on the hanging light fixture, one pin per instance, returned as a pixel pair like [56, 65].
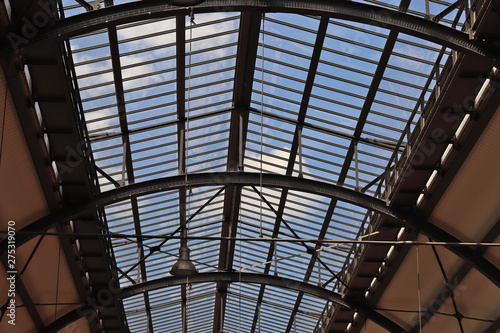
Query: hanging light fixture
[184, 266]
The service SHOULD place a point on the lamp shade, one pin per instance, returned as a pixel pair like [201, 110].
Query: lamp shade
[183, 266]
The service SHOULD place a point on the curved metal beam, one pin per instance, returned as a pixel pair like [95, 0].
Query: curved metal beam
[111, 295]
[268, 180]
[346, 10]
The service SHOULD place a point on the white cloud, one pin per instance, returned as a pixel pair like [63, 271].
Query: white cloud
[100, 119]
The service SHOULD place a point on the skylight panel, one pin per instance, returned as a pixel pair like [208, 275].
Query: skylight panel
[323, 151]
[337, 116]
[87, 48]
[304, 215]
[148, 115]
[102, 121]
[165, 310]
[404, 88]
[280, 104]
[348, 218]
[158, 212]
[275, 311]
[280, 73]
[154, 153]
[436, 7]
[254, 222]
[275, 148]
[359, 56]
[200, 307]
[108, 155]
[376, 128]
[150, 33]
[392, 4]
[135, 311]
[304, 322]
[207, 223]
[291, 259]
[281, 78]
[311, 306]
[407, 56]
[71, 8]
[209, 92]
[370, 36]
[240, 307]
[290, 31]
[212, 51]
[207, 141]
[159, 263]
[145, 79]
[365, 174]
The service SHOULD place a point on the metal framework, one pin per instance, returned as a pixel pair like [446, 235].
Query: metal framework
[279, 118]
[218, 277]
[275, 181]
[353, 11]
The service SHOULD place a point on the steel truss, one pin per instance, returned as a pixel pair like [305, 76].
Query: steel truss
[268, 180]
[118, 294]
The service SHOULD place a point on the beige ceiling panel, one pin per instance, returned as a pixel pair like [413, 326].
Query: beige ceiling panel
[18, 177]
[493, 253]
[48, 278]
[442, 323]
[476, 297]
[23, 322]
[372, 327]
[403, 291]
[471, 204]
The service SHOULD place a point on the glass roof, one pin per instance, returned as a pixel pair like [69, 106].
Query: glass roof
[330, 100]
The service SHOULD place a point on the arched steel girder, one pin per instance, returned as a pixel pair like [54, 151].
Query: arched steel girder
[268, 180]
[346, 10]
[107, 296]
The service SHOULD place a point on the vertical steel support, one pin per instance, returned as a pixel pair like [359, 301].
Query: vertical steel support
[300, 127]
[241, 139]
[356, 166]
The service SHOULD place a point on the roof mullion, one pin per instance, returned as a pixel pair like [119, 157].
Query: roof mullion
[375, 143]
[120, 97]
[313, 66]
[249, 31]
[370, 98]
